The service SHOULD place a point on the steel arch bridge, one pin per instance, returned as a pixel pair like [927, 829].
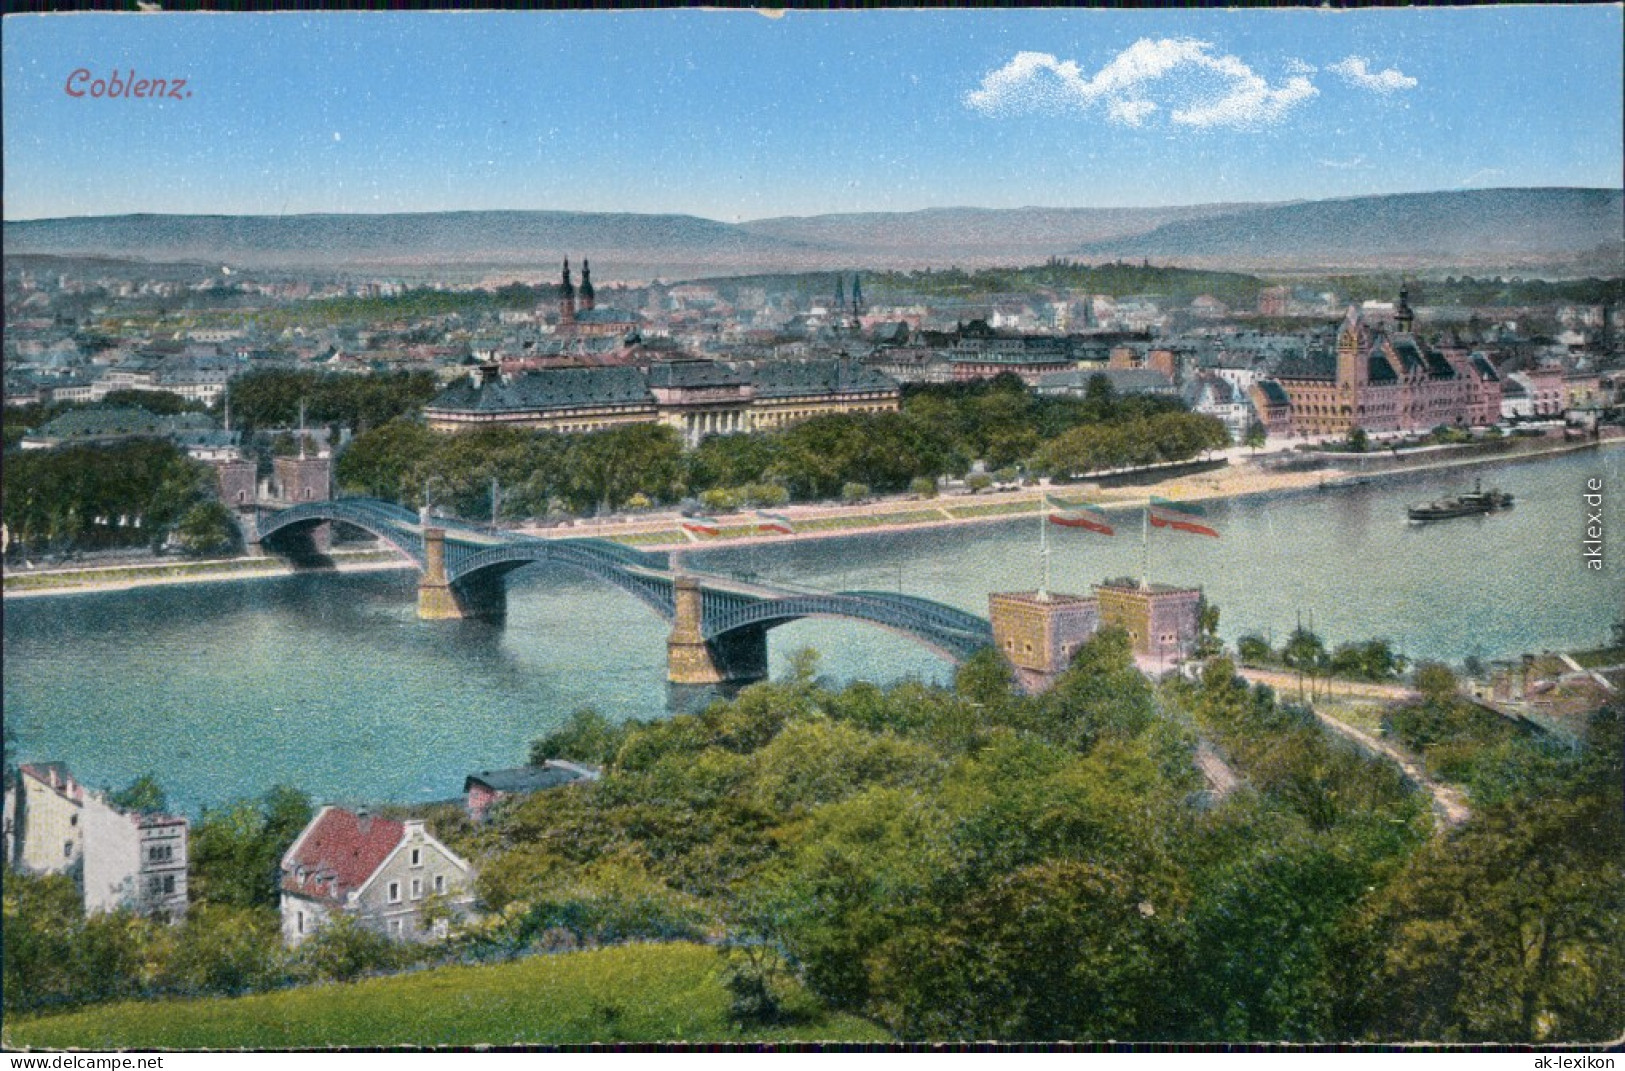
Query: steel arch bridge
[719, 625]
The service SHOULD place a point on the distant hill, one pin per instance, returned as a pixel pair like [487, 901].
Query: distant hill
[1465, 228]
[1561, 231]
[977, 234]
[536, 240]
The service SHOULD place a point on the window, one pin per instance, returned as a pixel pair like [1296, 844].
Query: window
[394, 892]
[394, 927]
[417, 888]
[169, 884]
[67, 849]
[439, 884]
[417, 856]
[299, 922]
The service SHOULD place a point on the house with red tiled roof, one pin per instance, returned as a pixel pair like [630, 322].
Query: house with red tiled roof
[380, 871]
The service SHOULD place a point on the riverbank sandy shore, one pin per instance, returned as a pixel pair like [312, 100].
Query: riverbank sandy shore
[1244, 477]
[23, 584]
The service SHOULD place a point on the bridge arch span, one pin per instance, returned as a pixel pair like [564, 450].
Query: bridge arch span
[387, 522]
[468, 567]
[920, 620]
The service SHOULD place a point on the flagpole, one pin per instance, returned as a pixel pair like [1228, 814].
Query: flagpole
[1043, 543]
[1145, 548]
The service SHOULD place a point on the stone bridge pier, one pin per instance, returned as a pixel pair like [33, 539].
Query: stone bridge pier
[736, 658]
[483, 596]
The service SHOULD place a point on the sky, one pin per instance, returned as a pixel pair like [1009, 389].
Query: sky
[738, 115]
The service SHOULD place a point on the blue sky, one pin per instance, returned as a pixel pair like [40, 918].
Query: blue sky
[737, 115]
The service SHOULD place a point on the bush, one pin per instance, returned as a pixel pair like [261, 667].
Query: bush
[854, 492]
[1253, 650]
[978, 481]
[764, 494]
[343, 950]
[756, 980]
[719, 500]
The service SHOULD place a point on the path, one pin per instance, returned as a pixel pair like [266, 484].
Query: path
[1448, 802]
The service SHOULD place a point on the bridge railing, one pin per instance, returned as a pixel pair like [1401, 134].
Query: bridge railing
[382, 519]
[464, 560]
[961, 638]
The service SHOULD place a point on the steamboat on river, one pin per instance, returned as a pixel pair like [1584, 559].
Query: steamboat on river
[1463, 505]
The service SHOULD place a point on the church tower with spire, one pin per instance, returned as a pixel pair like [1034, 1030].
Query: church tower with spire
[857, 298]
[588, 298]
[567, 297]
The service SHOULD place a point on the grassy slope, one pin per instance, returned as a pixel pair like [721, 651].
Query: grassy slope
[629, 993]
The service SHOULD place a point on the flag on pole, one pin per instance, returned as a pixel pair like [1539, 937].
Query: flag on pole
[702, 525]
[773, 522]
[1084, 516]
[1180, 517]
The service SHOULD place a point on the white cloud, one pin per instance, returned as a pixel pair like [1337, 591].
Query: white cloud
[1201, 89]
[1355, 71]
[1343, 165]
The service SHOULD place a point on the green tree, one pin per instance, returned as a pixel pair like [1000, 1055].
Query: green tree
[236, 850]
[608, 467]
[207, 528]
[1207, 627]
[144, 795]
[1373, 660]
[1253, 650]
[42, 915]
[227, 949]
[386, 462]
[343, 950]
[1508, 930]
[587, 736]
[1435, 681]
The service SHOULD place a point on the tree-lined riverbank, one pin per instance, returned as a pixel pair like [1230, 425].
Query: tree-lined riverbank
[1245, 477]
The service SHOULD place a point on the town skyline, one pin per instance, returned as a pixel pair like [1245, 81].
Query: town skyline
[735, 116]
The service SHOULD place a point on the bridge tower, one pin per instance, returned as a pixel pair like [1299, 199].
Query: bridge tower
[738, 657]
[307, 479]
[1038, 632]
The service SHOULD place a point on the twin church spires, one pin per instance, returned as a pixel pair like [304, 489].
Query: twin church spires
[568, 293]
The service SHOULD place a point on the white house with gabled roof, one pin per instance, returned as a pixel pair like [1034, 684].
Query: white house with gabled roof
[380, 871]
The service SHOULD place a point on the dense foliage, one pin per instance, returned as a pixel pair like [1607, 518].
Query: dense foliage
[972, 862]
[940, 431]
[124, 494]
[1179, 286]
[270, 398]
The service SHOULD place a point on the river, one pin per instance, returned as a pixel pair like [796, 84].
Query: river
[330, 683]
